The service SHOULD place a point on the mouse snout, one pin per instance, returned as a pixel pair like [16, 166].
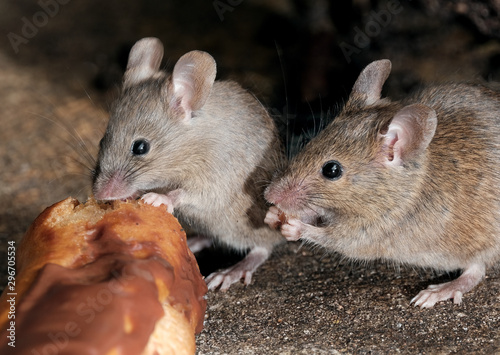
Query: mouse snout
[286, 195]
[113, 187]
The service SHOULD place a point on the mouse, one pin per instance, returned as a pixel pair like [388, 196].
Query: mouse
[204, 148]
[411, 182]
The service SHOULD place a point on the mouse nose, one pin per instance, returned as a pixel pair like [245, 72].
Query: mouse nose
[286, 195]
[111, 187]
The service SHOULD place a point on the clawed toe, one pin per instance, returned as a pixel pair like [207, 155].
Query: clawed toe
[224, 279]
[157, 200]
[240, 271]
[455, 289]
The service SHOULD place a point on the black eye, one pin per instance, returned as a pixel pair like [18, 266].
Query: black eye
[140, 147]
[332, 170]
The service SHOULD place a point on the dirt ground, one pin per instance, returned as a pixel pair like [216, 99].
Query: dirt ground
[61, 64]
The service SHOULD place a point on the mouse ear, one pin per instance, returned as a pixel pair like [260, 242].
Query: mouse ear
[192, 80]
[409, 134]
[143, 61]
[370, 81]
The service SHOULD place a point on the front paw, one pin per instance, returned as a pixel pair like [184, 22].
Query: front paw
[157, 200]
[274, 217]
[292, 229]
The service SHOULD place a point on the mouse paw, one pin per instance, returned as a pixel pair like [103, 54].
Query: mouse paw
[435, 293]
[240, 271]
[273, 217]
[455, 289]
[292, 229]
[157, 200]
[227, 277]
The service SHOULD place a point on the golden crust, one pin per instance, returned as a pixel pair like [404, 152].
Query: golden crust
[132, 244]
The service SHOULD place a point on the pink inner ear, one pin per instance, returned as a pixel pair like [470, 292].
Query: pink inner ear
[144, 60]
[176, 105]
[183, 93]
[409, 133]
[192, 80]
[390, 142]
[395, 141]
[392, 147]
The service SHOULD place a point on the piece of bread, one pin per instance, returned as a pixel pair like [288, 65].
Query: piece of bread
[104, 279]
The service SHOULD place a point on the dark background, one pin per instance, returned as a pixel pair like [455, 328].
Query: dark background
[60, 68]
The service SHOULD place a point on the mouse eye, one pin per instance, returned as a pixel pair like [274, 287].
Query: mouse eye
[140, 147]
[332, 170]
